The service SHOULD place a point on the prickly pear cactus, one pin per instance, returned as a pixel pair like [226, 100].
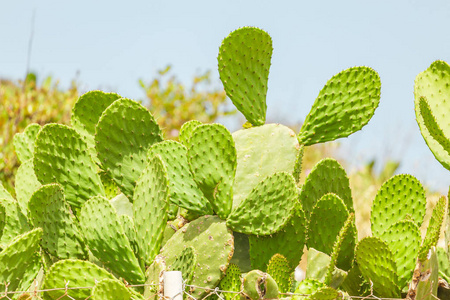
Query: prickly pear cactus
[345, 104]
[278, 267]
[123, 135]
[16, 222]
[24, 142]
[433, 85]
[26, 184]
[62, 156]
[244, 62]
[110, 289]
[231, 282]
[402, 195]
[259, 285]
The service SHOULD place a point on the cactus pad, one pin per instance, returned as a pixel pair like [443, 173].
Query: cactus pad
[319, 267]
[258, 285]
[327, 176]
[184, 192]
[280, 271]
[26, 184]
[123, 135]
[433, 84]
[231, 282]
[107, 241]
[24, 142]
[434, 228]
[403, 239]
[244, 62]
[150, 208]
[425, 281]
[212, 157]
[15, 222]
[61, 156]
[432, 126]
[289, 242]
[213, 244]
[376, 262]
[275, 197]
[110, 289]
[262, 151]
[49, 210]
[327, 219]
[186, 131]
[4, 194]
[185, 263]
[398, 197]
[74, 273]
[16, 257]
[345, 104]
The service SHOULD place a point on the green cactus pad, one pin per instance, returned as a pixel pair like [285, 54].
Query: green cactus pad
[110, 289]
[345, 104]
[444, 264]
[154, 274]
[327, 219]
[111, 189]
[280, 270]
[339, 248]
[327, 176]
[122, 205]
[49, 210]
[26, 184]
[33, 271]
[231, 282]
[355, 284]
[184, 192]
[424, 284]
[24, 142]
[15, 259]
[400, 196]
[4, 194]
[107, 240]
[150, 208]
[123, 135]
[434, 228]
[258, 285]
[404, 240]
[213, 244]
[319, 266]
[307, 287]
[262, 151]
[432, 126]
[289, 242]
[87, 111]
[267, 208]
[61, 156]
[433, 84]
[244, 62]
[185, 263]
[377, 264]
[73, 273]
[212, 158]
[298, 165]
[241, 256]
[186, 131]
[2, 218]
[131, 234]
[16, 222]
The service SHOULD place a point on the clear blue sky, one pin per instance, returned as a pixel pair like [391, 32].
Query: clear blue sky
[112, 44]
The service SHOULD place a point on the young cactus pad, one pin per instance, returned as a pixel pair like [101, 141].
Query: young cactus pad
[433, 84]
[244, 62]
[62, 156]
[24, 142]
[123, 135]
[345, 104]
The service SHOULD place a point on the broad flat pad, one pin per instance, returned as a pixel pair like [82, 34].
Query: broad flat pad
[289, 241]
[107, 240]
[62, 156]
[400, 196]
[77, 273]
[212, 158]
[49, 210]
[15, 258]
[183, 190]
[110, 289]
[267, 208]
[434, 85]
[24, 142]
[376, 262]
[150, 208]
[15, 222]
[213, 243]
[345, 104]
[244, 62]
[327, 176]
[26, 184]
[123, 135]
[262, 151]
